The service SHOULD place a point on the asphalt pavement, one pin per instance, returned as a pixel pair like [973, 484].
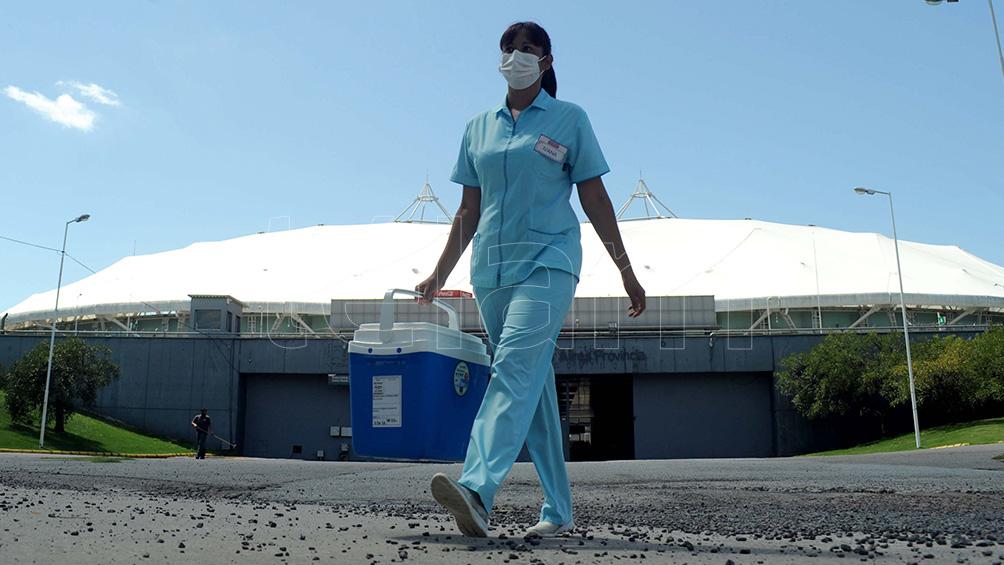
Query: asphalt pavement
[929, 506]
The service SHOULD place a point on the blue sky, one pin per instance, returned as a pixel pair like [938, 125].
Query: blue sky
[193, 121]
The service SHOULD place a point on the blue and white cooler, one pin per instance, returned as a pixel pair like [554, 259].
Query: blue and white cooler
[415, 387]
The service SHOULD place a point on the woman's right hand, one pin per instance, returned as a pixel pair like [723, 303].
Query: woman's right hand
[428, 288]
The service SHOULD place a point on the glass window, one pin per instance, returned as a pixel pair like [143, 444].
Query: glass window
[208, 319]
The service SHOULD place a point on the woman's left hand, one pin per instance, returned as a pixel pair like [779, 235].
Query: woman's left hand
[635, 292]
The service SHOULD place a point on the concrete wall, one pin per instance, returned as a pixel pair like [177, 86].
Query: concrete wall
[698, 386]
[293, 356]
[163, 381]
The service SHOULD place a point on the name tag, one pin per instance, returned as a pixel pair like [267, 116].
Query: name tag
[551, 149]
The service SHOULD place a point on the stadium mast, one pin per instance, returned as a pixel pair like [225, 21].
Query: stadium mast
[642, 192]
[417, 206]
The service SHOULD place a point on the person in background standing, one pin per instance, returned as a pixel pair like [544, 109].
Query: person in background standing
[203, 425]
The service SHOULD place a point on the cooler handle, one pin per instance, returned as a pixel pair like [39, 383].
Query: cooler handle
[387, 309]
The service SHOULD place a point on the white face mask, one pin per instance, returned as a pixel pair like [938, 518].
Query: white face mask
[520, 69]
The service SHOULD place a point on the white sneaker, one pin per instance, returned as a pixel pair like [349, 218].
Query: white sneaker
[546, 529]
[471, 516]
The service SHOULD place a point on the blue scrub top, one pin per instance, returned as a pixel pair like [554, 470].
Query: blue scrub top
[526, 183]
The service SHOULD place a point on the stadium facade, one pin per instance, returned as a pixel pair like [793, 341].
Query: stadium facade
[255, 328]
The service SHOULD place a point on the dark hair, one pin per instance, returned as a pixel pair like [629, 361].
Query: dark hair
[537, 36]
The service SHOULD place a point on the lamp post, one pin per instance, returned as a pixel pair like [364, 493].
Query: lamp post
[993, 20]
[52, 335]
[902, 303]
[76, 319]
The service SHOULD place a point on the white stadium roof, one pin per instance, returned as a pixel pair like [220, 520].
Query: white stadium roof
[745, 264]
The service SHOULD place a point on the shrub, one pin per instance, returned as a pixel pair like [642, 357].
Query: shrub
[986, 365]
[838, 376]
[945, 389]
[853, 374]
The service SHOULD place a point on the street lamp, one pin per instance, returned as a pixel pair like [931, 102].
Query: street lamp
[902, 303]
[52, 335]
[993, 20]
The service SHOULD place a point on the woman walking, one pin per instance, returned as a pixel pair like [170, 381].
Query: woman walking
[517, 164]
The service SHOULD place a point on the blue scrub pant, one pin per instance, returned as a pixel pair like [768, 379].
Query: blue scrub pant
[521, 403]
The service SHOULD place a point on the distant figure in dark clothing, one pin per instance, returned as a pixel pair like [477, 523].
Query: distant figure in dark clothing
[203, 425]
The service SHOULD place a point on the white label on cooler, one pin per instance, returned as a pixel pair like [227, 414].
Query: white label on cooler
[387, 401]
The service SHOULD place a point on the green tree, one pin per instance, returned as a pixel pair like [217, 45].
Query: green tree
[944, 385]
[79, 371]
[845, 374]
[986, 365]
[866, 375]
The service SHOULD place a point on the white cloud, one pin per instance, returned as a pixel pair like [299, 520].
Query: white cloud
[95, 92]
[63, 110]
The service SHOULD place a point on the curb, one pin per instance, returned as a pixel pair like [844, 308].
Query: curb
[948, 446]
[97, 453]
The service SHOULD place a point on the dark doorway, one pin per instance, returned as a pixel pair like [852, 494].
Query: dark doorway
[692, 415]
[295, 416]
[600, 415]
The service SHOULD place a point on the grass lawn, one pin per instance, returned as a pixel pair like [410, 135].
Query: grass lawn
[83, 433]
[972, 433]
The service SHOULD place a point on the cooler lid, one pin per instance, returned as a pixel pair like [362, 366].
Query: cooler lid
[413, 333]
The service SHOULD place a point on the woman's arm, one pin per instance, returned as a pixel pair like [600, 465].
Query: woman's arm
[597, 206]
[465, 223]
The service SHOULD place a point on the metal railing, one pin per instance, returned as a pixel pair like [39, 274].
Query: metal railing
[633, 331]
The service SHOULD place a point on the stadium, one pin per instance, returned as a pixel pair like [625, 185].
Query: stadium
[255, 325]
